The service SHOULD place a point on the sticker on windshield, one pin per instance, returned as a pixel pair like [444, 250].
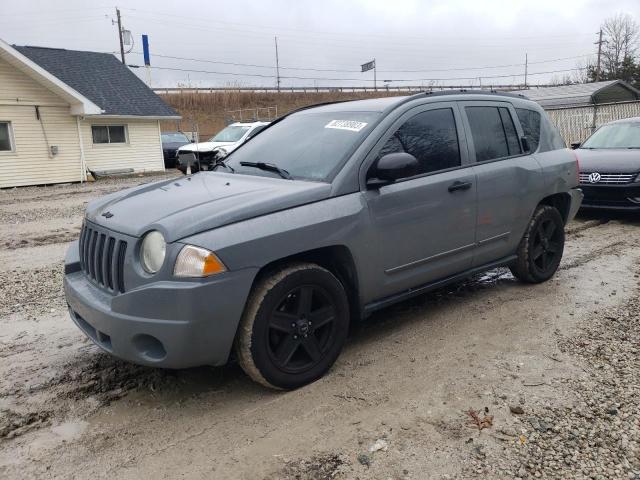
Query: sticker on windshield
[351, 125]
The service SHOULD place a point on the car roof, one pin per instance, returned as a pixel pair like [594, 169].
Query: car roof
[388, 103]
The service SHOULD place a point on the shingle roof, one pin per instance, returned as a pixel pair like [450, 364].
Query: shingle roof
[102, 78]
[582, 93]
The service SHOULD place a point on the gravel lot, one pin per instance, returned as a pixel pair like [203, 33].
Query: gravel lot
[489, 378]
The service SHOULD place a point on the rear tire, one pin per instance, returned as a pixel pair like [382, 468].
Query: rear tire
[541, 247]
[294, 326]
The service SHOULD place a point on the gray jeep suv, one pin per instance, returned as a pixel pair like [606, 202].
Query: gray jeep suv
[332, 212]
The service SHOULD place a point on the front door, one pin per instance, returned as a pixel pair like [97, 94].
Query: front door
[425, 224]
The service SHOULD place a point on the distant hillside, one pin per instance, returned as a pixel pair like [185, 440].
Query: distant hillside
[208, 109]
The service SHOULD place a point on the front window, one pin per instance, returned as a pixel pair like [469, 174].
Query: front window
[108, 134]
[615, 135]
[6, 140]
[308, 145]
[431, 137]
[232, 133]
[174, 138]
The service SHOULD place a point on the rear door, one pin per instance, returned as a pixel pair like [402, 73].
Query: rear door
[424, 224]
[507, 177]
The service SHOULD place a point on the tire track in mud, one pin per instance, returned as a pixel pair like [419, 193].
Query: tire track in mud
[85, 384]
[54, 237]
[592, 255]
[36, 214]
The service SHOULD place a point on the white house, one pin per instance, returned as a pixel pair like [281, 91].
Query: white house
[66, 112]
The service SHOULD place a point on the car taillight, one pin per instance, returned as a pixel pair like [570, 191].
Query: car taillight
[577, 166]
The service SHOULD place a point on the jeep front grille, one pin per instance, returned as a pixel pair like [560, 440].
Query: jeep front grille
[608, 178]
[102, 257]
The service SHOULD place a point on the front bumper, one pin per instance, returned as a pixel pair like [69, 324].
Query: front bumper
[611, 197]
[171, 324]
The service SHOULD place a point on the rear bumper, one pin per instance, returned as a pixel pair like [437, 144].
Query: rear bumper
[171, 324]
[611, 197]
[576, 200]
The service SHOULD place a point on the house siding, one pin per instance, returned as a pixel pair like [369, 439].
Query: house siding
[17, 88]
[29, 163]
[142, 152]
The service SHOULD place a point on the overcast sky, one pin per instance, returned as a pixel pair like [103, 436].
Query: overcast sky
[323, 43]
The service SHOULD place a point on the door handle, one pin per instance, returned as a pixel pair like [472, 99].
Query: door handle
[458, 185]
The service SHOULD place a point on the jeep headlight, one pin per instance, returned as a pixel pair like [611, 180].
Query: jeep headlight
[194, 261]
[153, 251]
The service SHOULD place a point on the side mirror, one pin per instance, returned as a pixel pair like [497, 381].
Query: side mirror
[525, 144]
[575, 145]
[392, 167]
[193, 140]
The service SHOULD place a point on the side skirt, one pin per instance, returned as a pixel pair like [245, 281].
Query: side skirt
[427, 287]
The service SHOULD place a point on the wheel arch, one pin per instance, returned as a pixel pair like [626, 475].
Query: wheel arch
[561, 202]
[335, 258]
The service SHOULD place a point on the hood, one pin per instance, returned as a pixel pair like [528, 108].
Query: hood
[204, 146]
[193, 204]
[609, 160]
[173, 145]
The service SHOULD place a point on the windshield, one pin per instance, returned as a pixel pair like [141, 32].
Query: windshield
[174, 138]
[615, 135]
[307, 145]
[232, 133]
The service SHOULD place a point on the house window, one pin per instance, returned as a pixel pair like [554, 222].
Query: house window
[109, 133]
[6, 137]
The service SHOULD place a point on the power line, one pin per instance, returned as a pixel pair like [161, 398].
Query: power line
[362, 79]
[488, 67]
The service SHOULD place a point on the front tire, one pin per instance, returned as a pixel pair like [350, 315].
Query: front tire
[542, 246]
[293, 327]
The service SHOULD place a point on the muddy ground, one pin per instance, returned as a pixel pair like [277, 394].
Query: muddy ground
[486, 379]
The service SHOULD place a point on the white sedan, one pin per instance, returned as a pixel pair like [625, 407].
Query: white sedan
[226, 140]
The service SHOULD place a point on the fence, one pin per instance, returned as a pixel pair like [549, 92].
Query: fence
[577, 123]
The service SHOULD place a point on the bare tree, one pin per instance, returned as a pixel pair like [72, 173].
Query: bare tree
[622, 34]
[583, 70]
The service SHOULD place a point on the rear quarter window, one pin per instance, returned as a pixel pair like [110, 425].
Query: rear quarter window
[530, 121]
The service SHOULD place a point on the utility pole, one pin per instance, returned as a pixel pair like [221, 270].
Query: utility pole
[599, 43]
[526, 66]
[375, 86]
[277, 65]
[120, 35]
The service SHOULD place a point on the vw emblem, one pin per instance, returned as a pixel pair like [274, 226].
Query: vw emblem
[594, 177]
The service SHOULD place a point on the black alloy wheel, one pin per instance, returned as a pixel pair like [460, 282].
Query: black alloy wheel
[294, 326]
[540, 250]
[547, 245]
[300, 328]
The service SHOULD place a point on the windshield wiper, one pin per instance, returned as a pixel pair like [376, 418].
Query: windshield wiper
[270, 167]
[219, 162]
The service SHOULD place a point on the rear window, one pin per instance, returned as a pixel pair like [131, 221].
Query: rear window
[530, 122]
[493, 133]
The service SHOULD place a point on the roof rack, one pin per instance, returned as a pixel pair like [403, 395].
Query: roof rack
[466, 91]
